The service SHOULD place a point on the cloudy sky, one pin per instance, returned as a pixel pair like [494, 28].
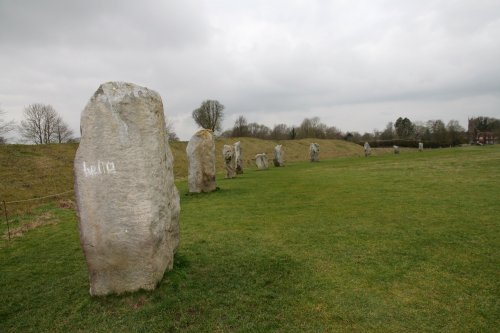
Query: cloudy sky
[355, 64]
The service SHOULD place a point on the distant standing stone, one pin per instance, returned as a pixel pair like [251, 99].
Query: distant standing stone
[229, 161]
[396, 149]
[261, 161]
[314, 152]
[238, 157]
[201, 162]
[127, 203]
[278, 156]
[420, 146]
[368, 149]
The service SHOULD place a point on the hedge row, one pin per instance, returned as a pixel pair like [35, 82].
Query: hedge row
[403, 143]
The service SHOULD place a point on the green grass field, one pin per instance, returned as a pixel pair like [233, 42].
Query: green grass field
[406, 243]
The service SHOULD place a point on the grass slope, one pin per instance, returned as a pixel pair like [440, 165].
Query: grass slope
[388, 244]
[33, 171]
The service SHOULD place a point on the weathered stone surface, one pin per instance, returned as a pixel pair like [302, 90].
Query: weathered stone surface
[420, 146]
[314, 152]
[278, 156]
[238, 158]
[127, 202]
[261, 161]
[201, 162]
[396, 149]
[368, 149]
[229, 161]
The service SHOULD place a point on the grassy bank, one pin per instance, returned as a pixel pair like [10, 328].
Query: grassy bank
[33, 171]
[388, 244]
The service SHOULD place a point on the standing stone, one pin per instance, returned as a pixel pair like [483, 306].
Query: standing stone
[238, 158]
[201, 162]
[396, 149]
[314, 152]
[261, 161]
[368, 149]
[229, 161]
[127, 203]
[278, 156]
[420, 146]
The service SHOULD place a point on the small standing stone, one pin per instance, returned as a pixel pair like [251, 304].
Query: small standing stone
[127, 203]
[368, 149]
[278, 156]
[396, 149]
[420, 146]
[261, 161]
[201, 162]
[314, 152]
[229, 161]
[238, 157]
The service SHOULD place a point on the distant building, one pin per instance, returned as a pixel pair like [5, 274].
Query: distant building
[485, 138]
[477, 136]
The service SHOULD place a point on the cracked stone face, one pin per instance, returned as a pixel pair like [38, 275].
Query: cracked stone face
[314, 152]
[229, 161]
[278, 156]
[201, 162]
[261, 161]
[127, 203]
[368, 149]
[238, 158]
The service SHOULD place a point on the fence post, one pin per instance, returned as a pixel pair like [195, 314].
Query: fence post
[6, 218]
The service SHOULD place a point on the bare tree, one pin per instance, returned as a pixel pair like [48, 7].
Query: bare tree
[333, 132]
[312, 128]
[258, 131]
[62, 131]
[5, 127]
[209, 115]
[240, 128]
[169, 128]
[280, 132]
[42, 125]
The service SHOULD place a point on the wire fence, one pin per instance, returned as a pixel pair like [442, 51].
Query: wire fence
[17, 213]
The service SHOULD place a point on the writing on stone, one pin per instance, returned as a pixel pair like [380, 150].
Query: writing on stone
[99, 168]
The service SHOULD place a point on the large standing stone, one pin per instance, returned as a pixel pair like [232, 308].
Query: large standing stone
[368, 149]
[201, 162]
[128, 205]
[314, 152]
[396, 149]
[238, 157]
[261, 161]
[229, 161]
[278, 156]
[420, 146]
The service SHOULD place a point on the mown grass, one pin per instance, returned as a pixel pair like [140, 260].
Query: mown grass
[390, 244]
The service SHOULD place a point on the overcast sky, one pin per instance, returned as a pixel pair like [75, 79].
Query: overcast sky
[355, 64]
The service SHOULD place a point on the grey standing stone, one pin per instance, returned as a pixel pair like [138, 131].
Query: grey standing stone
[278, 156]
[396, 149]
[238, 157]
[420, 146]
[368, 149]
[229, 161]
[201, 162]
[261, 161]
[314, 152]
[127, 203]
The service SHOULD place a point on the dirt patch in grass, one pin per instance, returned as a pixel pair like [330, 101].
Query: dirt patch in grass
[46, 218]
[66, 204]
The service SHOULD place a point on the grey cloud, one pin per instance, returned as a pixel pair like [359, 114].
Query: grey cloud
[267, 60]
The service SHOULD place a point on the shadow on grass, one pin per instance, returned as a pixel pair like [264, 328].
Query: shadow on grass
[207, 292]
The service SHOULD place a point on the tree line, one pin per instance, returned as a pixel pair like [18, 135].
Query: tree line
[403, 131]
[41, 124]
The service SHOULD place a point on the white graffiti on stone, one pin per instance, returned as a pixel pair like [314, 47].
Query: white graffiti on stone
[100, 168]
